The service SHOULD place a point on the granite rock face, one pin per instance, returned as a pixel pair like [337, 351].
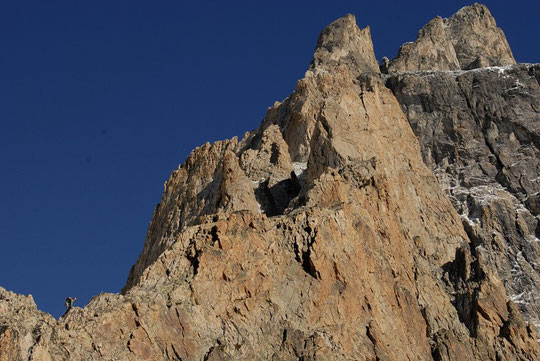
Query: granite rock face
[321, 235]
[480, 134]
[467, 40]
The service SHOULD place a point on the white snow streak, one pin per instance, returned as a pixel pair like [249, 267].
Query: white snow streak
[299, 168]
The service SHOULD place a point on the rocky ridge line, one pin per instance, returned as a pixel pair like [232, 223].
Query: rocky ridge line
[321, 235]
[469, 39]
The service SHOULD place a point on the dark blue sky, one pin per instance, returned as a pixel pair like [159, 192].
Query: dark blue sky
[101, 100]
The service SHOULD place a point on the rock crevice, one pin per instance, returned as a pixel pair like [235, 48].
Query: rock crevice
[324, 234]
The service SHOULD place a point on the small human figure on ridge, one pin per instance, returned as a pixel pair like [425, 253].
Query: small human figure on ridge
[69, 303]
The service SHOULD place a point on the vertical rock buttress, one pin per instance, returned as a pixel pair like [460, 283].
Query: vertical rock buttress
[321, 235]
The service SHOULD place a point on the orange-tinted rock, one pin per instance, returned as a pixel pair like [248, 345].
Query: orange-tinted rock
[319, 236]
[469, 39]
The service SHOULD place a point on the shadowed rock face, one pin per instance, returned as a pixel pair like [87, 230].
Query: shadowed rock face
[480, 133]
[321, 235]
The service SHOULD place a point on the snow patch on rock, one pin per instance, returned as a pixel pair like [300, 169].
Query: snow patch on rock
[299, 168]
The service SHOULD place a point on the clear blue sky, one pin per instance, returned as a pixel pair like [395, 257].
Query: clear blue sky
[101, 100]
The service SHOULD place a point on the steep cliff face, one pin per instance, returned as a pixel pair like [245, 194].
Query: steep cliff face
[480, 134]
[321, 235]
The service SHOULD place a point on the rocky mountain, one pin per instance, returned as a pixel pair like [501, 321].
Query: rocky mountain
[469, 39]
[370, 216]
[480, 134]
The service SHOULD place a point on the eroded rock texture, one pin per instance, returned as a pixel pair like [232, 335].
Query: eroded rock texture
[480, 133]
[467, 40]
[321, 235]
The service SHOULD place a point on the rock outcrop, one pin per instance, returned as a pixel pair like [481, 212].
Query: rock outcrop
[467, 40]
[321, 235]
[480, 133]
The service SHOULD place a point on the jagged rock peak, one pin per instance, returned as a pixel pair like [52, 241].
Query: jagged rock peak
[321, 235]
[469, 39]
[344, 42]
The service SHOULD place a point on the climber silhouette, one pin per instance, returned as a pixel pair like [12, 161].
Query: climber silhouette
[69, 304]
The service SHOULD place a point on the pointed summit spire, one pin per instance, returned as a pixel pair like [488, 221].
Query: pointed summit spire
[469, 39]
[477, 40]
[342, 42]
